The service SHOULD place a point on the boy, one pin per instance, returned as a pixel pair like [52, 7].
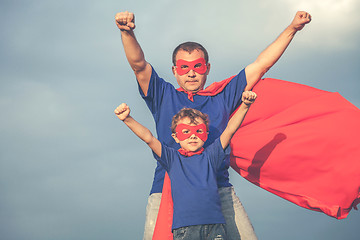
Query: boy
[193, 170]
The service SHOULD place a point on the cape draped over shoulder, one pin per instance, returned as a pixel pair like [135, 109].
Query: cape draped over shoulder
[296, 141]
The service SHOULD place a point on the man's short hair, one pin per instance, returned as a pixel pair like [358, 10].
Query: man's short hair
[190, 47]
[191, 113]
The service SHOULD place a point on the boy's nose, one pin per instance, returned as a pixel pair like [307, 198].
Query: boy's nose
[193, 136]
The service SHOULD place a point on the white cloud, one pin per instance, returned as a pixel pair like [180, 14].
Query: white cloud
[63, 71]
[335, 23]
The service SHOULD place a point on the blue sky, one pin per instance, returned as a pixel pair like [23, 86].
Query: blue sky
[69, 169]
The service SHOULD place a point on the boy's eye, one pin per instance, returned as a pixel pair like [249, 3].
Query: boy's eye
[184, 66]
[185, 131]
[200, 131]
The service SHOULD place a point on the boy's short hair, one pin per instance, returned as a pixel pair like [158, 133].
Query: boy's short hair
[190, 47]
[191, 113]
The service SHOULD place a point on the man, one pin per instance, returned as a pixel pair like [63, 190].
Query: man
[191, 68]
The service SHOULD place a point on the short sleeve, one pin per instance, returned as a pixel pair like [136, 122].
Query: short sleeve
[154, 93]
[216, 153]
[167, 156]
[233, 91]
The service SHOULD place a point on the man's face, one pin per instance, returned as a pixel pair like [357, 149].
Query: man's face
[191, 81]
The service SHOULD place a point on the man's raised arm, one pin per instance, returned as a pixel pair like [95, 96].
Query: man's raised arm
[274, 51]
[134, 54]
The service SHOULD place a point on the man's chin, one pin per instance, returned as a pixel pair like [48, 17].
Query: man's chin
[193, 89]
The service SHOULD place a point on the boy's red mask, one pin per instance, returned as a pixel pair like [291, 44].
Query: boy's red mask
[198, 65]
[184, 131]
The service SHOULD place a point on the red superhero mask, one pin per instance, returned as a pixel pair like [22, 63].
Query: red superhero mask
[198, 65]
[184, 131]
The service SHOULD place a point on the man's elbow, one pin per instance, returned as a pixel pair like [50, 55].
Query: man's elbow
[254, 73]
[139, 66]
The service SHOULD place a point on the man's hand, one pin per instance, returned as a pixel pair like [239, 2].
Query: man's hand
[122, 111]
[248, 97]
[301, 18]
[125, 21]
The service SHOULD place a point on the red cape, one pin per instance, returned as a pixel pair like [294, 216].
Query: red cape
[211, 90]
[298, 142]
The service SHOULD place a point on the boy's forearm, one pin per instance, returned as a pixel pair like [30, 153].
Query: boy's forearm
[233, 125]
[238, 117]
[142, 132]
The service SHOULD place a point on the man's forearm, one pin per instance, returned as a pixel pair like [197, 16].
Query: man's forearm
[267, 58]
[275, 50]
[133, 51]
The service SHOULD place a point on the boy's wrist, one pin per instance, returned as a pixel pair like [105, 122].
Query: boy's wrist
[247, 105]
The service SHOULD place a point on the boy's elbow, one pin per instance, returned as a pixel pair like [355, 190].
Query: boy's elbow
[149, 139]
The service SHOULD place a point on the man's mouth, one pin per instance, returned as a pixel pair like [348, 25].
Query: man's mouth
[192, 81]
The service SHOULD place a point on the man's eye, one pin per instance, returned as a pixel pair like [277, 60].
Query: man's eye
[184, 66]
[198, 65]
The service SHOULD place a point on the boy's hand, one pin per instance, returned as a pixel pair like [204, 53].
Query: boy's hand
[248, 97]
[122, 111]
[125, 21]
[301, 18]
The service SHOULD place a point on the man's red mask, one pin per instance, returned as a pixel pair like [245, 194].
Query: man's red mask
[198, 65]
[184, 131]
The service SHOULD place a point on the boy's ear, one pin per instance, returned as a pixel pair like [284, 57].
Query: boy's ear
[175, 138]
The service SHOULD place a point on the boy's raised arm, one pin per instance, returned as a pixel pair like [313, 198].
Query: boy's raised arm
[235, 121]
[256, 70]
[134, 54]
[123, 113]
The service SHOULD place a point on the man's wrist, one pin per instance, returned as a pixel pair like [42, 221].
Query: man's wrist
[291, 29]
[126, 119]
[127, 33]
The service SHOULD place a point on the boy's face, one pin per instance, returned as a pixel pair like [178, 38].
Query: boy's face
[196, 134]
[192, 81]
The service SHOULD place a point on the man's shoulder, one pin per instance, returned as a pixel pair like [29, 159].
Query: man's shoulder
[158, 80]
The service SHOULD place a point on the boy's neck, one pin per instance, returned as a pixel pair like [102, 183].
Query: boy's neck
[188, 153]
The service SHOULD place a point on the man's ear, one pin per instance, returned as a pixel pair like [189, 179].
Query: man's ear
[208, 65]
[175, 138]
[173, 68]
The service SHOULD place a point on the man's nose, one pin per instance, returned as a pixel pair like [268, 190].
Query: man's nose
[191, 73]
